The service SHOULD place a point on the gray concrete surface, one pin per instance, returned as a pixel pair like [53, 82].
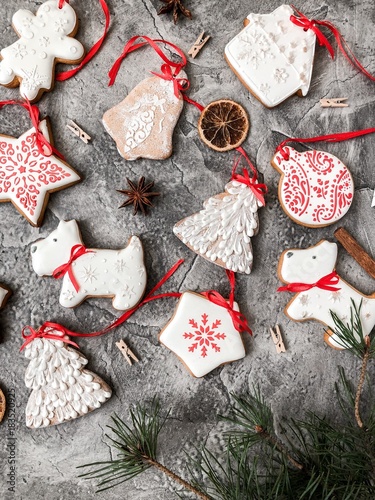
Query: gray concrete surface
[296, 381]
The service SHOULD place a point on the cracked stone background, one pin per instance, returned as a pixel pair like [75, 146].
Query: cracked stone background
[299, 380]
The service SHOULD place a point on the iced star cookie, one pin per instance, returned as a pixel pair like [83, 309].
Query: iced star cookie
[272, 56]
[45, 39]
[202, 334]
[27, 177]
[142, 124]
[118, 274]
[316, 189]
[313, 268]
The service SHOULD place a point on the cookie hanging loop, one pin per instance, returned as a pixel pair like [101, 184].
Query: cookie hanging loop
[259, 190]
[61, 3]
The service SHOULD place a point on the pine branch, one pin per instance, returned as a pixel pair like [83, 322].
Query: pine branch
[137, 447]
[362, 377]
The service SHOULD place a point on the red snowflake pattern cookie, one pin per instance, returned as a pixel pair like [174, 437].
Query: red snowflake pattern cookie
[202, 334]
[316, 189]
[27, 176]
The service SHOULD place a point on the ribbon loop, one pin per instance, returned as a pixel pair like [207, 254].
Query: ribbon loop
[43, 333]
[259, 190]
[327, 282]
[306, 23]
[179, 84]
[76, 252]
[239, 321]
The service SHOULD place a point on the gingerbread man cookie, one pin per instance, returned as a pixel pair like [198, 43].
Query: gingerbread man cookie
[27, 177]
[119, 274]
[202, 334]
[272, 56]
[142, 124]
[314, 267]
[316, 189]
[45, 39]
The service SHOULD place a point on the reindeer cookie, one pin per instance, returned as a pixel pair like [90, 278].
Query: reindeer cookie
[323, 290]
[316, 189]
[119, 274]
[45, 39]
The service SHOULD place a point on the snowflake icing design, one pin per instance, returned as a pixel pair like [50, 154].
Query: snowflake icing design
[120, 265]
[335, 296]
[304, 299]
[44, 41]
[127, 291]
[280, 75]
[204, 336]
[69, 295]
[265, 89]
[32, 79]
[19, 51]
[89, 274]
[60, 25]
[27, 22]
[26, 175]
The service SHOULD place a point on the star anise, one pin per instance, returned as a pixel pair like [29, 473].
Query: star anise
[138, 195]
[177, 7]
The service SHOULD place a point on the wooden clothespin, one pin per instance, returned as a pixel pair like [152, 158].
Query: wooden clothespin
[278, 339]
[127, 352]
[198, 45]
[78, 131]
[335, 102]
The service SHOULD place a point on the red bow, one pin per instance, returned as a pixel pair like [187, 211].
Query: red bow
[75, 253]
[42, 333]
[239, 321]
[259, 190]
[306, 23]
[325, 283]
[179, 84]
[310, 24]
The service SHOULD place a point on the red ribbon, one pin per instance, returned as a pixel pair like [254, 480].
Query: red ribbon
[179, 84]
[325, 283]
[65, 75]
[169, 69]
[42, 332]
[339, 137]
[76, 252]
[259, 190]
[44, 147]
[239, 320]
[306, 23]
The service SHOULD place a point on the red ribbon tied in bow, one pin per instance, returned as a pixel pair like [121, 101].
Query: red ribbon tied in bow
[239, 321]
[310, 24]
[259, 190]
[327, 282]
[179, 84]
[76, 252]
[44, 333]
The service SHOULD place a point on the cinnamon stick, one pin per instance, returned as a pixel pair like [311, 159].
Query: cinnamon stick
[355, 250]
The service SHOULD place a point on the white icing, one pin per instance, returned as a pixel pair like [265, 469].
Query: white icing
[27, 183]
[273, 51]
[308, 266]
[98, 273]
[143, 123]
[61, 388]
[222, 231]
[3, 293]
[202, 334]
[48, 30]
[316, 188]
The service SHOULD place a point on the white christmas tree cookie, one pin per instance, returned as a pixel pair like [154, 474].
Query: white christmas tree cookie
[309, 267]
[202, 334]
[27, 177]
[45, 39]
[272, 56]
[316, 189]
[120, 274]
[222, 231]
[142, 124]
[62, 389]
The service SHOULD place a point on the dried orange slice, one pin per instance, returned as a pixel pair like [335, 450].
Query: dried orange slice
[2, 405]
[223, 125]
